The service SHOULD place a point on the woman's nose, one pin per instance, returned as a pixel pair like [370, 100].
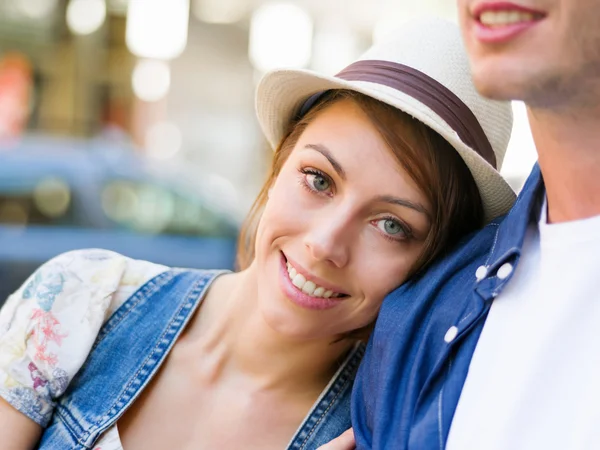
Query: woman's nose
[329, 241]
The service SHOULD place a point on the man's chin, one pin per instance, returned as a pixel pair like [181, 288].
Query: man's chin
[503, 80]
[495, 87]
[494, 92]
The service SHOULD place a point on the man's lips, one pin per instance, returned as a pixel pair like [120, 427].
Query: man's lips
[480, 8]
[500, 22]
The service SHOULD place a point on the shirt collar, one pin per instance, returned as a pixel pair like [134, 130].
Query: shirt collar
[506, 250]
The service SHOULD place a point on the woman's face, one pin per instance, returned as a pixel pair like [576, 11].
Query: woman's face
[343, 226]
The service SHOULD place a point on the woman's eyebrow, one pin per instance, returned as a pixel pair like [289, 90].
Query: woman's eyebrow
[383, 198]
[403, 202]
[327, 154]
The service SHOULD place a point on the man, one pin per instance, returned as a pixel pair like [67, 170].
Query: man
[498, 345]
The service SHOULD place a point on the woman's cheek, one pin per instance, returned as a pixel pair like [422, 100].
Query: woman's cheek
[385, 273]
[283, 208]
[291, 196]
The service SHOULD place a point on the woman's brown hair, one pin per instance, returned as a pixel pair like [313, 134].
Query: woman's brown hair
[432, 163]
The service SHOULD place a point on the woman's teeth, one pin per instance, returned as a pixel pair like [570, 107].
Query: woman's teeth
[503, 18]
[308, 287]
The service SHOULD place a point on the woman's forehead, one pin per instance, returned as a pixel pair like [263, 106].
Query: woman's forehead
[344, 124]
[366, 162]
[346, 131]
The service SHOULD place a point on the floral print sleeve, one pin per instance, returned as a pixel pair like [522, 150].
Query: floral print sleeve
[49, 325]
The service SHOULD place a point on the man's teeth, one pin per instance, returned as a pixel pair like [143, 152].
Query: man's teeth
[502, 18]
[308, 287]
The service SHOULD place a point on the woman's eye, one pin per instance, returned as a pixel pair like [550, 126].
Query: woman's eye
[392, 227]
[318, 182]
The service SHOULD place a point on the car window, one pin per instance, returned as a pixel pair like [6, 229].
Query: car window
[47, 201]
[151, 208]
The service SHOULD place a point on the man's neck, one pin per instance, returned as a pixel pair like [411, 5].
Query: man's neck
[568, 147]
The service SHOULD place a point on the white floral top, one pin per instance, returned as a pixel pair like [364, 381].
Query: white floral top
[49, 325]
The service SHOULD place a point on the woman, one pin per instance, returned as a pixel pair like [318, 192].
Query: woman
[361, 197]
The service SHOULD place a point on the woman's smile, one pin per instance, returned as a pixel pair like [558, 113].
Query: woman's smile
[306, 290]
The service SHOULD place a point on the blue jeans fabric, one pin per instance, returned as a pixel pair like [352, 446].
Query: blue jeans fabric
[130, 349]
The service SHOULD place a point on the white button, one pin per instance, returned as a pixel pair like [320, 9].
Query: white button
[480, 273]
[450, 334]
[504, 271]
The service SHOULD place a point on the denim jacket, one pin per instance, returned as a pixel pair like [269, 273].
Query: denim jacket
[417, 360]
[158, 312]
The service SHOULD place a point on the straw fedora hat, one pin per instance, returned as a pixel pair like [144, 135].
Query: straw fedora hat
[422, 70]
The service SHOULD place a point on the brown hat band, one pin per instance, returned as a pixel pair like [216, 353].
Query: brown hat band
[431, 93]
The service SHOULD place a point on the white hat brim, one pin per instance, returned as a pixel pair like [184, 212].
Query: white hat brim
[281, 93]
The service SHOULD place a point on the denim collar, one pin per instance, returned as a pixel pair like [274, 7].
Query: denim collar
[511, 234]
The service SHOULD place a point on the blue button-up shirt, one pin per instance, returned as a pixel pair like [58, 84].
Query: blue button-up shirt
[418, 357]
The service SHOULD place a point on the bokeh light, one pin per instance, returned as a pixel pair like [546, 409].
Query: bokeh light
[157, 28]
[120, 201]
[280, 36]
[151, 79]
[52, 197]
[85, 16]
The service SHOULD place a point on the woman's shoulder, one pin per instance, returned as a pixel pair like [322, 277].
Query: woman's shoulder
[84, 276]
[48, 326]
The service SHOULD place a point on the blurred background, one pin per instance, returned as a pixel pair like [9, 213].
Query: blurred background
[129, 124]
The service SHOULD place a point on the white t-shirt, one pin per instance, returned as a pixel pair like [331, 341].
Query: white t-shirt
[534, 379]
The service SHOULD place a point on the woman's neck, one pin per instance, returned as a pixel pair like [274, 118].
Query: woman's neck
[231, 331]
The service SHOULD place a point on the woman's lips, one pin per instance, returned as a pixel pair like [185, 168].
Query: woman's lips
[301, 298]
[316, 280]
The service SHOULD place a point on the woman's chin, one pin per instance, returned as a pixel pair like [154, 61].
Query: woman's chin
[292, 325]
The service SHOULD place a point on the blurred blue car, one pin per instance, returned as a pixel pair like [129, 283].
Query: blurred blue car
[61, 196]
